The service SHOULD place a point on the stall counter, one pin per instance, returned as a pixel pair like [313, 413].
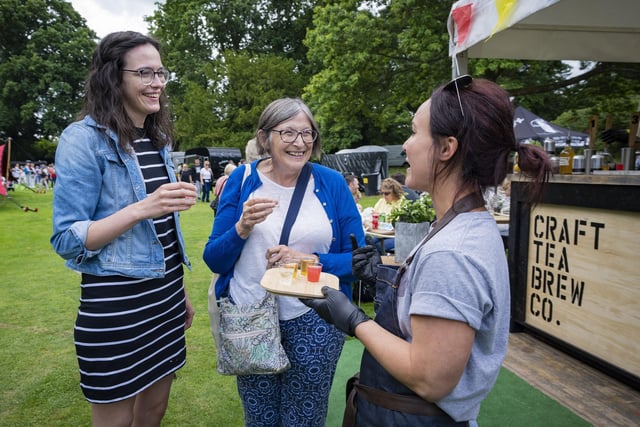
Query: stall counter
[574, 268]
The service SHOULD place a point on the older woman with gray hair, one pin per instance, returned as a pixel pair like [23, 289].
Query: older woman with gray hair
[244, 243]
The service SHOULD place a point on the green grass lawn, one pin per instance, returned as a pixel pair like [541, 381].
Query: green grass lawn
[38, 303]
[39, 376]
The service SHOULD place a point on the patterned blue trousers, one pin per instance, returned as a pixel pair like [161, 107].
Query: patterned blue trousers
[298, 397]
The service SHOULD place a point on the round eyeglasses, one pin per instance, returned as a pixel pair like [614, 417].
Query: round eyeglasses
[289, 136]
[147, 75]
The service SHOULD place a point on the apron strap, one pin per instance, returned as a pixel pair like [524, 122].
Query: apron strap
[466, 204]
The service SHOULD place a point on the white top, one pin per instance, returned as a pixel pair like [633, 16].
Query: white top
[206, 174]
[311, 233]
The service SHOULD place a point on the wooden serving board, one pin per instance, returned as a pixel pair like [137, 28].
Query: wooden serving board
[300, 286]
[384, 232]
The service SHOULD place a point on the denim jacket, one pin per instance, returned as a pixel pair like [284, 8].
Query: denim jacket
[96, 178]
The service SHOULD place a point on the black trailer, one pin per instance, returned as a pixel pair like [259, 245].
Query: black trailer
[219, 157]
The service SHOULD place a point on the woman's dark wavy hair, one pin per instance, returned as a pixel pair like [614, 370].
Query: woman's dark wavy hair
[103, 98]
[485, 137]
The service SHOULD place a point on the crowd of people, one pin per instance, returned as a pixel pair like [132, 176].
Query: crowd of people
[444, 312]
[33, 175]
[203, 178]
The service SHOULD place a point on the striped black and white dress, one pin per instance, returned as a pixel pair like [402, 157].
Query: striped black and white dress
[129, 332]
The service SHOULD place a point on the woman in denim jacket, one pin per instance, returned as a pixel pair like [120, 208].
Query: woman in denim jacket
[115, 221]
[244, 243]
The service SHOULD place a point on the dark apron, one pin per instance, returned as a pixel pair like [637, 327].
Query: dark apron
[373, 407]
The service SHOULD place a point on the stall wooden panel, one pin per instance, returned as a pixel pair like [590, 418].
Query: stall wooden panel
[574, 265]
[583, 280]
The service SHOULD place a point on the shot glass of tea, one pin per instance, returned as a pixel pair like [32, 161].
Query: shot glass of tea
[304, 263]
[313, 272]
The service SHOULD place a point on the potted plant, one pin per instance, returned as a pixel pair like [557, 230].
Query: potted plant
[411, 221]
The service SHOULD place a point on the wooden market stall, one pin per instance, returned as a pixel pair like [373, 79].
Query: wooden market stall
[573, 259]
[574, 268]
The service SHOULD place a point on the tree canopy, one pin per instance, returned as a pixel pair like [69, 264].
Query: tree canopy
[45, 49]
[230, 59]
[362, 66]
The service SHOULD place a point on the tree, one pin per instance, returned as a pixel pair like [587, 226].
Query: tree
[607, 88]
[375, 63]
[363, 67]
[45, 49]
[230, 60]
[225, 111]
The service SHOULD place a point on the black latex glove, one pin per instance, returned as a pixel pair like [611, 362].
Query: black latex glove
[364, 262]
[337, 309]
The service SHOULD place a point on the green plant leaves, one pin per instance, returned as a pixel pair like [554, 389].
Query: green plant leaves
[420, 210]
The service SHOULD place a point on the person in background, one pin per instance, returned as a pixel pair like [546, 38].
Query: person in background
[252, 151]
[446, 317]
[244, 243]
[52, 174]
[409, 194]
[6, 185]
[115, 221]
[354, 187]
[220, 183]
[195, 171]
[206, 180]
[18, 174]
[186, 175]
[43, 173]
[30, 174]
[392, 197]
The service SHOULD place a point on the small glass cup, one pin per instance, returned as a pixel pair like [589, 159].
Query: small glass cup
[288, 269]
[304, 263]
[292, 264]
[313, 272]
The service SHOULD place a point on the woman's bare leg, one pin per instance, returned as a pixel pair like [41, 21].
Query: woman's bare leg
[151, 404]
[145, 409]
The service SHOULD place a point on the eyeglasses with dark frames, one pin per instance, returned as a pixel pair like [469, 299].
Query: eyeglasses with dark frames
[385, 193]
[289, 136]
[147, 75]
[457, 83]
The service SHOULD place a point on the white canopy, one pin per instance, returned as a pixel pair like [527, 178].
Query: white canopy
[589, 30]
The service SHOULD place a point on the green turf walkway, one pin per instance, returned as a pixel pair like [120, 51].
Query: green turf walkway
[513, 402]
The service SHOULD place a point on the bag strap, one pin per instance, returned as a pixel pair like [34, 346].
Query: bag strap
[467, 203]
[296, 201]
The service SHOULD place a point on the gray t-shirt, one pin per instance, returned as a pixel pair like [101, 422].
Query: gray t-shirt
[461, 274]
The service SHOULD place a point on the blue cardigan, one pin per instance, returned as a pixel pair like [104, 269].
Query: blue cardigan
[224, 245]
